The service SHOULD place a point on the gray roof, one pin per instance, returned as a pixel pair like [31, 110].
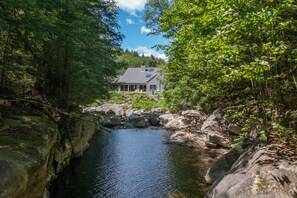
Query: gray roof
[135, 75]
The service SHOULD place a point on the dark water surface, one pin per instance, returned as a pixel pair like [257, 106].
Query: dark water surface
[130, 163]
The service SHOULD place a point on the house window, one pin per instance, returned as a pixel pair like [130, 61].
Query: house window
[132, 87]
[142, 88]
[124, 87]
[153, 87]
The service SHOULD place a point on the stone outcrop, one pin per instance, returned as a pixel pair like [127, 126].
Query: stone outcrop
[135, 121]
[188, 139]
[115, 116]
[255, 171]
[203, 131]
[215, 130]
[33, 149]
[165, 118]
[110, 122]
[153, 119]
[221, 166]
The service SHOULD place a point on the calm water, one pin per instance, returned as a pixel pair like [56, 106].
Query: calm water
[131, 163]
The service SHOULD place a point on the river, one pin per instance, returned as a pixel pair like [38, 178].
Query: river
[128, 163]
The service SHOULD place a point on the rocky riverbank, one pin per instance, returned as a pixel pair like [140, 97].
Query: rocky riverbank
[190, 128]
[34, 149]
[252, 169]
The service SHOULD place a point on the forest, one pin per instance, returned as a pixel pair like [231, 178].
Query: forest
[62, 50]
[134, 59]
[240, 56]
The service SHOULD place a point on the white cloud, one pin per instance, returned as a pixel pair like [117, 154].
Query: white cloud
[148, 52]
[143, 29]
[131, 6]
[129, 21]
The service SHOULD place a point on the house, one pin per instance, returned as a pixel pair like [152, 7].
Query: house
[141, 79]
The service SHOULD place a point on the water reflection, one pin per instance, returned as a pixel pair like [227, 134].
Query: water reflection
[132, 163]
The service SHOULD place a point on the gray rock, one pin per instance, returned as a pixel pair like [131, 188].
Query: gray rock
[210, 145]
[153, 119]
[135, 121]
[218, 138]
[256, 173]
[129, 112]
[213, 128]
[110, 113]
[221, 166]
[235, 129]
[188, 139]
[111, 122]
[156, 110]
[211, 124]
[192, 113]
[139, 112]
[177, 123]
[118, 109]
[28, 164]
[165, 118]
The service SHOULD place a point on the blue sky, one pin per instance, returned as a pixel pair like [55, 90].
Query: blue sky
[133, 27]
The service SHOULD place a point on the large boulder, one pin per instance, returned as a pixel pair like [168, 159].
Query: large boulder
[111, 122]
[215, 130]
[26, 143]
[211, 124]
[165, 118]
[177, 123]
[35, 149]
[194, 118]
[153, 119]
[188, 139]
[221, 166]
[118, 109]
[135, 121]
[218, 138]
[257, 173]
[81, 131]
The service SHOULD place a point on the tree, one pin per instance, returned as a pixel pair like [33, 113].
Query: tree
[132, 59]
[228, 45]
[154, 10]
[66, 48]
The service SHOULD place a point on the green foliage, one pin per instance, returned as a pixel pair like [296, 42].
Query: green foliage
[154, 10]
[284, 131]
[133, 59]
[66, 49]
[117, 98]
[263, 136]
[238, 140]
[138, 100]
[228, 48]
[231, 53]
[142, 102]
